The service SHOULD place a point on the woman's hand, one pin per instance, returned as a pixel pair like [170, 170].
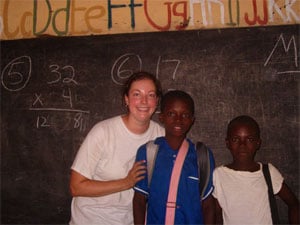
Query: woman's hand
[136, 173]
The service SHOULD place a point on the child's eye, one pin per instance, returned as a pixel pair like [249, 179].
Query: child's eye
[234, 140]
[171, 114]
[186, 116]
[251, 139]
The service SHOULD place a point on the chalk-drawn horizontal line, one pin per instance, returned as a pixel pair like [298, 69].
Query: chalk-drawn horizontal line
[288, 72]
[59, 109]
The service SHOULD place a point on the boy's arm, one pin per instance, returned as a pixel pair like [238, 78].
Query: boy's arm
[139, 199]
[292, 202]
[139, 208]
[218, 212]
[208, 204]
[208, 208]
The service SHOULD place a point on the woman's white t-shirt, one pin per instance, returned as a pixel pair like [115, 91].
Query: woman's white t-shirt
[243, 196]
[108, 153]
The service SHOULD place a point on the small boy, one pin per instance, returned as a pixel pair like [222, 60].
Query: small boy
[150, 203]
[241, 191]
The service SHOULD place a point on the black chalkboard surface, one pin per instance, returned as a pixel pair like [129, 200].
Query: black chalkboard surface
[53, 90]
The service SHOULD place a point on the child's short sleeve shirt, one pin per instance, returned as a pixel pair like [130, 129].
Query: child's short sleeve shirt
[243, 196]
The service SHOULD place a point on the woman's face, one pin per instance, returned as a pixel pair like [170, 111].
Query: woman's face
[141, 100]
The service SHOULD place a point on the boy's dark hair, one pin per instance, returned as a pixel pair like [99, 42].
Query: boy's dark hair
[177, 94]
[243, 119]
[141, 75]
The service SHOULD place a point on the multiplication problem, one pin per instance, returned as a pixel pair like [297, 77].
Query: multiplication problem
[65, 116]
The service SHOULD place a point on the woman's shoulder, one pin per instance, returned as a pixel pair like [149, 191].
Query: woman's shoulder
[110, 123]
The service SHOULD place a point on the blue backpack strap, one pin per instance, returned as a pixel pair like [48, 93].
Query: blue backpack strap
[205, 166]
[151, 152]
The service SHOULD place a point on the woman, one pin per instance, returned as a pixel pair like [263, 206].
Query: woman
[104, 172]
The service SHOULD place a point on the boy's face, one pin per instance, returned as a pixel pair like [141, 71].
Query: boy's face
[177, 118]
[243, 142]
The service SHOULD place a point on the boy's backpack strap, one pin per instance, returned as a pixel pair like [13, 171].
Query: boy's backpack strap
[204, 166]
[173, 188]
[151, 152]
[203, 159]
[272, 199]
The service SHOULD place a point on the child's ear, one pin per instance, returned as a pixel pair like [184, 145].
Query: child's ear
[258, 144]
[161, 117]
[227, 142]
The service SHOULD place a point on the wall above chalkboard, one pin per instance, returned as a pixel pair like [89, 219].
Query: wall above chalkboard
[53, 90]
[32, 19]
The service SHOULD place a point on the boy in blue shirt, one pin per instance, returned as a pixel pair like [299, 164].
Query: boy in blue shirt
[149, 202]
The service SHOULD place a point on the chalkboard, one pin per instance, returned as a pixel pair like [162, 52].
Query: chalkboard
[53, 90]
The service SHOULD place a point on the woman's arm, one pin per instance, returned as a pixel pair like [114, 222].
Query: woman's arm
[82, 186]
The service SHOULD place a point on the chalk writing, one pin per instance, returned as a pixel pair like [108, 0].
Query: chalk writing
[60, 110]
[287, 47]
[41, 121]
[38, 99]
[118, 74]
[120, 70]
[175, 61]
[78, 121]
[58, 72]
[16, 74]
[68, 96]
